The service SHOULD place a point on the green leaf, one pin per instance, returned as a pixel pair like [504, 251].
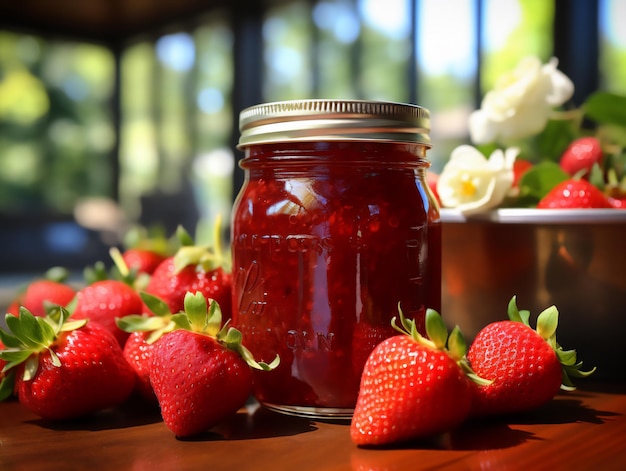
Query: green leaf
[196, 310]
[14, 357]
[232, 339]
[6, 385]
[512, 310]
[606, 108]
[181, 321]
[540, 179]
[24, 327]
[139, 323]
[194, 255]
[524, 315]
[457, 346]
[214, 321]
[596, 177]
[59, 274]
[30, 367]
[614, 134]
[8, 340]
[566, 357]
[554, 139]
[55, 359]
[118, 260]
[547, 322]
[73, 325]
[436, 329]
[183, 236]
[155, 304]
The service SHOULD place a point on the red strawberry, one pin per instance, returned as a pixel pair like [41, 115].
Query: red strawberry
[581, 155]
[40, 293]
[520, 167]
[572, 194]
[201, 373]
[144, 331]
[142, 261]
[527, 367]
[138, 354]
[105, 300]
[618, 203]
[146, 248]
[14, 307]
[71, 369]
[191, 269]
[615, 189]
[413, 387]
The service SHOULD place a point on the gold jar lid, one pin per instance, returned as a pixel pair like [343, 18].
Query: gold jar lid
[334, 120]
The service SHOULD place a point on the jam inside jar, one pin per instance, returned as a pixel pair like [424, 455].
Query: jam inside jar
[328, 238]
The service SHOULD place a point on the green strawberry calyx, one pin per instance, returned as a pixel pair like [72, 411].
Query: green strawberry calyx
[28, 337]
[438, 338]
[204, 257]
[128, 275]
[199, 318]
[157, 325]
[547, 323]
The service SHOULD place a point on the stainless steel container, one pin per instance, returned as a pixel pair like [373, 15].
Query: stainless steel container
[574, 259]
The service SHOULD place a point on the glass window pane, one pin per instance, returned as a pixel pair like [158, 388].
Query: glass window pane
[55, 123]
[214, 162]
[139, 160]
[287, 36]
[513, 29]
[338, 29]
[175, 60]
[447, 67]
[613, 46]
[385, 49]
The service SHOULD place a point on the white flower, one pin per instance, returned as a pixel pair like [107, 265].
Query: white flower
[472, 183]
[521, 102]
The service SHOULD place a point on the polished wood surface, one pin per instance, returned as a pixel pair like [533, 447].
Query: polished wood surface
[581, 430]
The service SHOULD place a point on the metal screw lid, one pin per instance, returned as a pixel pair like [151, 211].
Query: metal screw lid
[334, 120]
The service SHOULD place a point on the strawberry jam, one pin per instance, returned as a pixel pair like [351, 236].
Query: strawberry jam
[333, 229]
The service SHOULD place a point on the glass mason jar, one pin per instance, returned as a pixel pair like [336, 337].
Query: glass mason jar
[333, 229]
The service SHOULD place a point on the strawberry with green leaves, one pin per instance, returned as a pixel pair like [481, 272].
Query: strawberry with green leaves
[61, 369]
[201, 373]
[142, 260]
[574, 194]
[527, 367]
[193, 268]
[145, 249]
[44, 292]
[104, 301]
[581, 155]
[412, 386]
[520, 167]
[143, 331]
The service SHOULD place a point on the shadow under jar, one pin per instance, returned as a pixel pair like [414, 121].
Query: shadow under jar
[333, 229]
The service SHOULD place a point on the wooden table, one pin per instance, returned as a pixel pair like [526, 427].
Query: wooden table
[583, 430]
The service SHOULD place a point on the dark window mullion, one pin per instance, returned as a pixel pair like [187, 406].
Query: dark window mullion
[576, 44]
[478, 20]
[247, 25]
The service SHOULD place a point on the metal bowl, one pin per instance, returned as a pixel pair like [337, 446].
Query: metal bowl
[574, 259]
